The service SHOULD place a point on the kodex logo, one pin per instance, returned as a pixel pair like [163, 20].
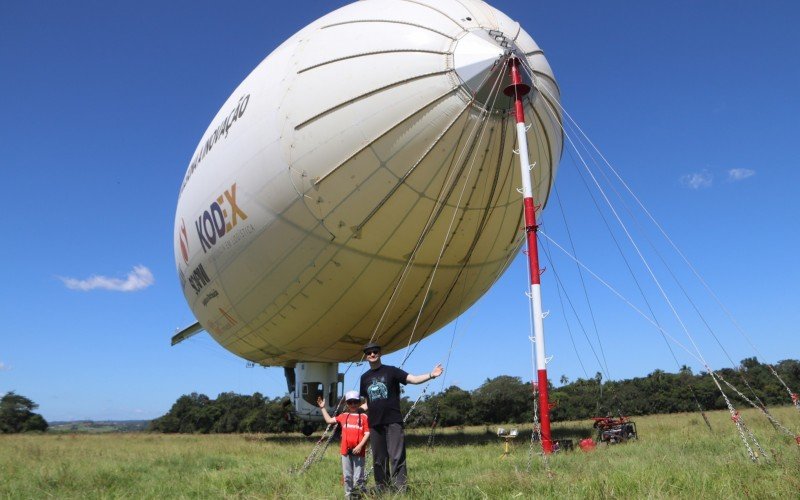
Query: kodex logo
[219, 219]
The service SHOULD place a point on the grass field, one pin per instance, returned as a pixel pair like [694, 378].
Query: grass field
[675, 457]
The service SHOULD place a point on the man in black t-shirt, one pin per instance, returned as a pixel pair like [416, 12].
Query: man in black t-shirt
[380, 385]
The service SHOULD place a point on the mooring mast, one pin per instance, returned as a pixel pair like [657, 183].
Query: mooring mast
[518, 90]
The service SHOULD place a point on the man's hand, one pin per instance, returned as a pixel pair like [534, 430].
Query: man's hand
[437, 370]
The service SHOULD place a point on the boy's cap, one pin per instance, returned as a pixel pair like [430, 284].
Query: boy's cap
[372, 345]
[352, 395]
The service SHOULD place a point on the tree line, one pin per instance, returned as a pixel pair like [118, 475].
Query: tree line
[16, 415]
[506, 399]
[230, 412]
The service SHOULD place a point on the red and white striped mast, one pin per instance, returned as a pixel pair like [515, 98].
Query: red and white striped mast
[518, 90]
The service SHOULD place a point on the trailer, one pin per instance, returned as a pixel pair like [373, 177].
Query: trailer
[612, 430]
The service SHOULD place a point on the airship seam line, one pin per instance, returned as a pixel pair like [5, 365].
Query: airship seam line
[376, 52]
[556, 117]
[447, 192]
[549, 154]
[439, 11]
[548, 78]
[368, 94]
[486, 211]
[391, 21]
[408, 173]
[434, 101]
[519, 30]
[431, 317]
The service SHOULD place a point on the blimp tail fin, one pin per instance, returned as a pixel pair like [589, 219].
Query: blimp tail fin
[187, 332]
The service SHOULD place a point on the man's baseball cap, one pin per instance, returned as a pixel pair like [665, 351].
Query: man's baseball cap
[372, 345]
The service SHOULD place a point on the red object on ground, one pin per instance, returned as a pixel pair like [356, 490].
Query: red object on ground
[587, 444]
[608, 422]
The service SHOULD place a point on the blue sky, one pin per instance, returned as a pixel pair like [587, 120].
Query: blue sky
[694, 103]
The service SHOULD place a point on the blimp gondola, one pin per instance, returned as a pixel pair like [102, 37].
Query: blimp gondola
[361, 184]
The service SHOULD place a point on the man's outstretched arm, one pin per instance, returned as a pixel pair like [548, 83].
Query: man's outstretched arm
[418, 379]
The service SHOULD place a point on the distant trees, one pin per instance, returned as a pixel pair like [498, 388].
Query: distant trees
[230, 412]
[16, 415]
[506, 399]
[662, 392]
[502, 399]
[455, 406]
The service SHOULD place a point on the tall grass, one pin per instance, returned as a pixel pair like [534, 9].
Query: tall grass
[675, 457]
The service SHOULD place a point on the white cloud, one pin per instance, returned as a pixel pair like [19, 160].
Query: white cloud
[4, 367]
[698, 180]
[737, 174]
[138, 279]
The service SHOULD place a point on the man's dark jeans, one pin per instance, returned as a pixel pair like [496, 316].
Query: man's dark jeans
[389, 456]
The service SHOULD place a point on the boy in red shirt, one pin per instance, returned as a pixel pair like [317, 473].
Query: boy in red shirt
[355, 433]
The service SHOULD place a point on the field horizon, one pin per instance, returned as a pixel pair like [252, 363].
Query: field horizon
[676, 455]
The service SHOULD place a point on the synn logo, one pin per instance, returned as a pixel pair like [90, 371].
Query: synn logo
[184, 241]
[198, 279]
[215, 222]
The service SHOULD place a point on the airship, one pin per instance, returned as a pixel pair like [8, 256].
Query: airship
[361, 184]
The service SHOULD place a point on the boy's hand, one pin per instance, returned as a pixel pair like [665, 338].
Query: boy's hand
[320, 402]
[357, 450]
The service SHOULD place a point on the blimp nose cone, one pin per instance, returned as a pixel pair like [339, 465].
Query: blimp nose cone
[480, 59]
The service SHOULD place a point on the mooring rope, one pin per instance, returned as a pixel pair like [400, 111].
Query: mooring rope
[482, 120]
[761, 408]
[628, 266]
[654, 278]
[319, 449]
[793, 395]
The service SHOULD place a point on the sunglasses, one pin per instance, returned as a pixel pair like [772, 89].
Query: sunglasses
[353, 402]
[371, 352]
